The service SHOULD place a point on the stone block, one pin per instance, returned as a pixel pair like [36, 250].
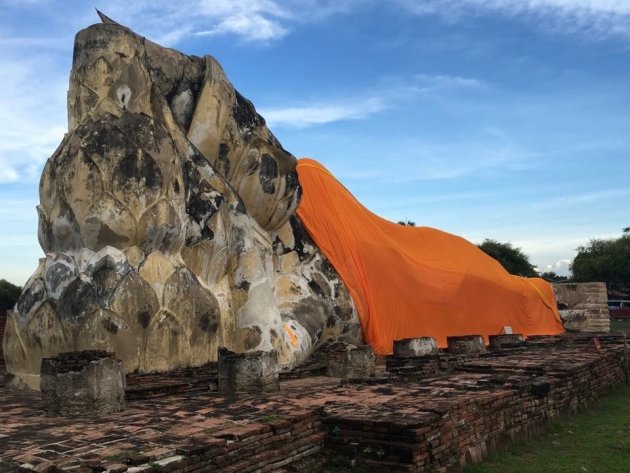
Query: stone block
[255, 371]
[351, 361]
[86, 383]
[583, 306]
[411, 347]
[511, 340]
[467, 344]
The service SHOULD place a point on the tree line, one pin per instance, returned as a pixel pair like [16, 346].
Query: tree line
[602, 260]
[9, 294]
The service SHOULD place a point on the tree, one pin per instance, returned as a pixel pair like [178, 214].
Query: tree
[604, 260]
[407, 223]
[552, 276]
[511, 258]
[9, 294]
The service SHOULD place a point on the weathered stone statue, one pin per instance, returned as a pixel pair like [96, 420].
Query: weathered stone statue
[167, 220]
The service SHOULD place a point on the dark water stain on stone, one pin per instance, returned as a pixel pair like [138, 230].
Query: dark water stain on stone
[144, 318]
[33, 294]
[311, 313]
[77, 300]
[245, 114]
[292, 180]
[252, 337]
[268, 172]
[244, 285]
[316, 288]
[110, 326]
[209, 322]
[137, 166]
[107, 236]
[222, 160]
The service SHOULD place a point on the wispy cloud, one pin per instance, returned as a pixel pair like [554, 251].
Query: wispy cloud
[322, 113]
[600, 18]
[364, 104]
[441, 81]
[32, 113]
[260, 21]
[583, 198]
[488, 152]
[254, 20]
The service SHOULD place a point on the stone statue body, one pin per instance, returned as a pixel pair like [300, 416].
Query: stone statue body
[167, 220]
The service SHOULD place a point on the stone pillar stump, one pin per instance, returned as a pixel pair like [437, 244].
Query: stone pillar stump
[466, 345]
[255, 371]
[84, 383]
[512, 340]
[412, 347]
[351, 361]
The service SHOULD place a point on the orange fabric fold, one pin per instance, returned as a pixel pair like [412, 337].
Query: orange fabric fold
[417, 281]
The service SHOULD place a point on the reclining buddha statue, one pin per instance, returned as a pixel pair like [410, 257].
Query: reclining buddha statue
[170, 225]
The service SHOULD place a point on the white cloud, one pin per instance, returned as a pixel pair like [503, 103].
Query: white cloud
[263, 21]
[583, 198]
[489, 151]
[32, 111]
[442, 81]
[254, 20]
[250, 27]
[35, 62]
[560, 267]
[600, 18]
[321, 113]
[364, 105]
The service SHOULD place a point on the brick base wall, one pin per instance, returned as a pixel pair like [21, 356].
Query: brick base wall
[392, 422]
[445, 424]
[3, 323]
[448, 424]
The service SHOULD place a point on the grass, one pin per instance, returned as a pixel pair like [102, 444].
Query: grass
[269, 418]
[620, 325]
[594, 441]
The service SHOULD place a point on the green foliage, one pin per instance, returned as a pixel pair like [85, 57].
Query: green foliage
[511, 258]
[407, 223]
[269, 418]
[9, 294]
[551, 276]
[597, 441]
[604, 260]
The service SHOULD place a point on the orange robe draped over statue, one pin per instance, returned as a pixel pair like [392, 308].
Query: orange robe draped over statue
[417, 281]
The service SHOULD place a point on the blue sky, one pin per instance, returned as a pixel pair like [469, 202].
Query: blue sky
[504, 119]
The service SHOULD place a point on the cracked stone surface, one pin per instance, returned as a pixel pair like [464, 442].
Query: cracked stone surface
[167, 217]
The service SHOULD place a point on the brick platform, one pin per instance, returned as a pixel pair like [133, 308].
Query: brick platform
[3, 323]
[386, 422]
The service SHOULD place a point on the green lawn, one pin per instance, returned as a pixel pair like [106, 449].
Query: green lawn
[620, 326]
[597, 440]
